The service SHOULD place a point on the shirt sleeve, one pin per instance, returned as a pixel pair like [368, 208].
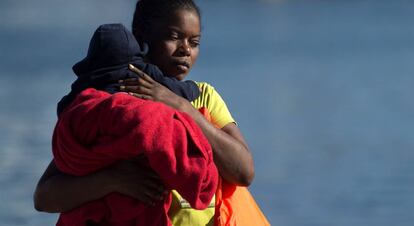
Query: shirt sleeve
[220, 114]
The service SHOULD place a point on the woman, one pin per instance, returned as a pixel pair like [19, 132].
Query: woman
[172, 30]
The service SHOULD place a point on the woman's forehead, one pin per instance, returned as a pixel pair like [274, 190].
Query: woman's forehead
[183, 20]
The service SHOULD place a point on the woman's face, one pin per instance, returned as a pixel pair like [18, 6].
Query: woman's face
[174, 46]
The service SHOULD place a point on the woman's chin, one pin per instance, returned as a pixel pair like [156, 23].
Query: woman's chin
[180, 73]
[180, 77]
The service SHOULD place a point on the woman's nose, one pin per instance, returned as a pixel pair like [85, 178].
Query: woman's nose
[185, 48]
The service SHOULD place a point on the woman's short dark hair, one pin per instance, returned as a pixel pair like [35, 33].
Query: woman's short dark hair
[151, 12]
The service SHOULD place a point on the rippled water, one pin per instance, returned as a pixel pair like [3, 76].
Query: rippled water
[322, 91]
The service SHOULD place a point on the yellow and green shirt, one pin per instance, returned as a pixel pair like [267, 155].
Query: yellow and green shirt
[181, 213]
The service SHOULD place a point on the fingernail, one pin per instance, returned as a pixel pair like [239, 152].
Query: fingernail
[121, 87]
[120, 81]
[131, 66]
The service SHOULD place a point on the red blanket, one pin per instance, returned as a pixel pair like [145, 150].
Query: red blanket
[98, 129]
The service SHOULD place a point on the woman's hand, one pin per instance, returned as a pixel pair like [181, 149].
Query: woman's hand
[134, 178]
[145, 87]
[231, 153]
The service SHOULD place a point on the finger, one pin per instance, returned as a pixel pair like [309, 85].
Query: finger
[154, 195]
[134, 85]
[135, 81]
[129, 81]
[155, 179]
[139, 166]
[146, 195]
[135, 70]
[148, 79]
[141, 96]
[144, 198]
[145, 82]
[154, 188]
[136, 89]
[141, 74]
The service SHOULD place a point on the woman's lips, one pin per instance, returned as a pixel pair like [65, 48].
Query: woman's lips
[182, 65]
[182, 68]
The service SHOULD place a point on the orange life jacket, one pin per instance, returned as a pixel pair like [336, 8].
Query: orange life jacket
[235, 206]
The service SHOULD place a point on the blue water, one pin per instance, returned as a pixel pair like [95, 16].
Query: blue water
[322, 91]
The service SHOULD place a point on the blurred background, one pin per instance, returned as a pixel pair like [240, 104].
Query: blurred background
[321, 89]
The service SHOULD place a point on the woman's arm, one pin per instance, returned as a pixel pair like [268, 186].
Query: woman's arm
[231, 153]
[59, 192]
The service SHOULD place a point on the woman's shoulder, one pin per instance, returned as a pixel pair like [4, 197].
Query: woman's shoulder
[206, 88]
[209, 98]
[207, 95]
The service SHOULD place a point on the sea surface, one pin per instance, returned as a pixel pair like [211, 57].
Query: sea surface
[321, 89]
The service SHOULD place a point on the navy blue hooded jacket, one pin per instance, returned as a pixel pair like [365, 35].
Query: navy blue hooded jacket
[111, 49]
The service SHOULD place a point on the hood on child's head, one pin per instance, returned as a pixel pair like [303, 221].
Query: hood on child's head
[111, 45]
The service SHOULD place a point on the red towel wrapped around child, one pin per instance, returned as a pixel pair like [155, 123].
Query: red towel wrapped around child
[98, 129]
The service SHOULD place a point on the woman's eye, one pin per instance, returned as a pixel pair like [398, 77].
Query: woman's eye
[195, 43]
[173, 36]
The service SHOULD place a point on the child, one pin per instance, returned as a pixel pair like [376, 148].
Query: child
[96, 129]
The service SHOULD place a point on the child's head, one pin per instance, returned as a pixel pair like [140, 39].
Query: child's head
[112, 46]
[172, 29]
